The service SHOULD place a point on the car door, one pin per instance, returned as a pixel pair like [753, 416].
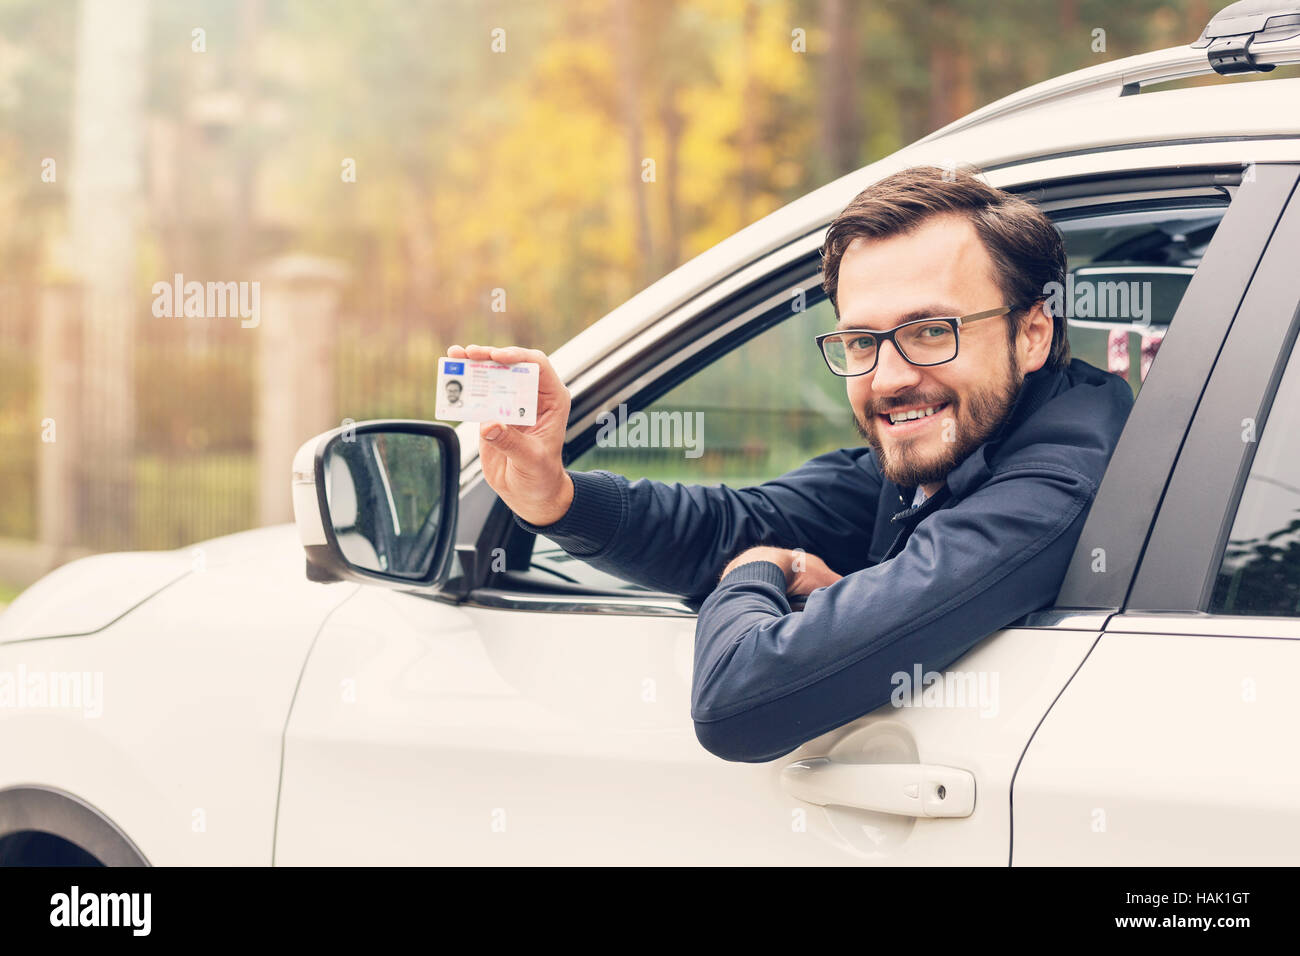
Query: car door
[544, 715]
[1175, 742]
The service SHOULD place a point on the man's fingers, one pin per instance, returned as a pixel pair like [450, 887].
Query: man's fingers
[495, 433]
[513, 354]
[815, 574]
[504, 354]
[510, 354]
[548, 381]
[500, 436]
[549, 385]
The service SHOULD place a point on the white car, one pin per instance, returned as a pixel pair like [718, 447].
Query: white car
[505, 703]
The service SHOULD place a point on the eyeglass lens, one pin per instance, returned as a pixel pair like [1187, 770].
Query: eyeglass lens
[925, 343]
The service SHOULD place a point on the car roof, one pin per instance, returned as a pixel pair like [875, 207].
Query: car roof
[1119, 77]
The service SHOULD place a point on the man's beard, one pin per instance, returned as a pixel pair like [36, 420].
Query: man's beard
[985, 410]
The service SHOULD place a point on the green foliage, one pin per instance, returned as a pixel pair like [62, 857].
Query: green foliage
[481, 173]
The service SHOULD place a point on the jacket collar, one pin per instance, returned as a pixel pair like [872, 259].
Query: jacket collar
[1036, 389]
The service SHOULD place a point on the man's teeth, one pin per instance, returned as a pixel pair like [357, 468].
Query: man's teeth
[907, 416]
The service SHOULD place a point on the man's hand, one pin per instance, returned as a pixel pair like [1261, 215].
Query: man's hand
[804, 573]
[524, 463]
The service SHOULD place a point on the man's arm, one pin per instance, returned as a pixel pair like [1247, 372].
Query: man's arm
[669, 537]
[766, 680]
[678, 538]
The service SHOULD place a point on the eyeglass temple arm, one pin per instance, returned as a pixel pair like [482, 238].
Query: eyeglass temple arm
[988, 314]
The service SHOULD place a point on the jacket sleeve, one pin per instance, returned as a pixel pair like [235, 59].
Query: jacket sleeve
[767, 680]
[677, 538]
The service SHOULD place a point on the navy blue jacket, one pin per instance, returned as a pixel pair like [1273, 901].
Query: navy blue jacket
[921, 585]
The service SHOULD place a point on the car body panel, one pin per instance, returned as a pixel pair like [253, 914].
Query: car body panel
[107, 587]
[430, 733]
[179, 745]
[1167, 750]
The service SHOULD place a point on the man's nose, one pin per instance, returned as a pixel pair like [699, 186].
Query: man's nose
[893, 372]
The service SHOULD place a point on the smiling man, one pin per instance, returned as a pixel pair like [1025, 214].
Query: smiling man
[985, 447]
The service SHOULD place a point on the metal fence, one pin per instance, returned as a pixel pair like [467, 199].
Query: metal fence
[187, 454]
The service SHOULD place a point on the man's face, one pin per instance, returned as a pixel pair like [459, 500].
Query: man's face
[453, 391]
[939, 269]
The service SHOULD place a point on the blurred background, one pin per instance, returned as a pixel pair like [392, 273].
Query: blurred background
[393, 176]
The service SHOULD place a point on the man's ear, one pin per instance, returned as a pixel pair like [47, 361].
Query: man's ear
[1034, 341]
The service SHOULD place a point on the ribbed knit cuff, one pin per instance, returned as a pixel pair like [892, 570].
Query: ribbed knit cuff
[767, 571]
[592, 519]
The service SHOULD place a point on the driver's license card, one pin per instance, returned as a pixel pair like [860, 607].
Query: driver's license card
[470, 391]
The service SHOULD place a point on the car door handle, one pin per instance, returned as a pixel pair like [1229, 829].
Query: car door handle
[910, 789]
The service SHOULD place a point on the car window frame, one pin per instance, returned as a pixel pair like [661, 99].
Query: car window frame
[1190, 530]
[1129, 497]
[759, 307]
[644, 373]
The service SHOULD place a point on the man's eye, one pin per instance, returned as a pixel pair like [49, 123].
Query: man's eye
[862, 342]
[935, 331]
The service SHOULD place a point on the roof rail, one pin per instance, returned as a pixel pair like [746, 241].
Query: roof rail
[1248, 36]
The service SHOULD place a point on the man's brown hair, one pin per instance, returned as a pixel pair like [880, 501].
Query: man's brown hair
[1027, 251]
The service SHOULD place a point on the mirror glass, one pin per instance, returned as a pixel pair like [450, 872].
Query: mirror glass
[1118, 295]
[384, 492]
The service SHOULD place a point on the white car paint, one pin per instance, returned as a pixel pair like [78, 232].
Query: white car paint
[1169, 749]
[107, 587]
[427, 733]
[184, 755]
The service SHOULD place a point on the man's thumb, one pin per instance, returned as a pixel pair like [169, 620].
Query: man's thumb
[498, 435]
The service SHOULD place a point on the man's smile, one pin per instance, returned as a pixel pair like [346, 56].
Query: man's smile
[900, 421]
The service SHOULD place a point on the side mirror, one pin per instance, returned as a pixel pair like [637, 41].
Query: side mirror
[376, 502]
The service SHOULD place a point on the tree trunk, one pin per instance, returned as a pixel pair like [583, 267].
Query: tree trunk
[630, 98]
[841, 124]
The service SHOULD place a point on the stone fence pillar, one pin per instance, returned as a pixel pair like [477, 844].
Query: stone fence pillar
[298, 330]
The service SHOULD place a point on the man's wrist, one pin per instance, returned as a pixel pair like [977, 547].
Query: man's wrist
[770, 555]
[760, 569]
[556, 507]
[593, 518]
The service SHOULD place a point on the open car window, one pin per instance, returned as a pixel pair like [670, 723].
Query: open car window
[1127, 272]
[770, 405]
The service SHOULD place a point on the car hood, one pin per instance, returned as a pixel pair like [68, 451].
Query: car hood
[87, 595]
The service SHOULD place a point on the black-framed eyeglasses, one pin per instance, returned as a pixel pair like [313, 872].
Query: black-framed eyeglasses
[924, 342]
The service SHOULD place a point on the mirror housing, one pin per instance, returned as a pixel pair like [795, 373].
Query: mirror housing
[1158, 288]
[376, 502]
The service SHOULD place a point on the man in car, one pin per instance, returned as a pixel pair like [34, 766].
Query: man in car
[985, 446]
